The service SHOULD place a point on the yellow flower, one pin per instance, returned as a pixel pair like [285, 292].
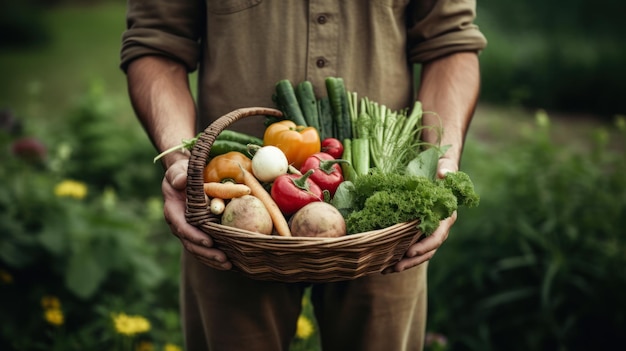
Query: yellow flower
[50, 303]
[5, 277]
[54, 316]
[171, 347]
[71, 188]
[144, 346]
[130, 325]
[305, 327]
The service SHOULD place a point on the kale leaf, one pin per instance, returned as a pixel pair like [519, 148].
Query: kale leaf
[381, 200]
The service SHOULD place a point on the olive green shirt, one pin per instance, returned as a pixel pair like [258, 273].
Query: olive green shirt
[241, 48]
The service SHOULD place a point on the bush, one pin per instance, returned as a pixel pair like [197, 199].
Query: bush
[539, 264]
[79, 249]
[106, 152]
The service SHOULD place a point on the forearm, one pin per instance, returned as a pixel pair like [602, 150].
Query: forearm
[449, 88]
[160, 95]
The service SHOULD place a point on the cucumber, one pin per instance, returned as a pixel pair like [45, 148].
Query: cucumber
[220, 147]
[326, 118]
[239, 137]
[308, 103]
[287, 102]
[338, 98]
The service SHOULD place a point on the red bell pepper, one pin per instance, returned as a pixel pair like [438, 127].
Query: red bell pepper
[333, 147]
[291, 192]
[328, 174]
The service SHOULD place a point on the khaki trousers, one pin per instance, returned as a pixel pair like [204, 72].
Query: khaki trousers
[225, 311]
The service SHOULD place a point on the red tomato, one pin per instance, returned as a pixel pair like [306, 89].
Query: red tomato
[333, 147]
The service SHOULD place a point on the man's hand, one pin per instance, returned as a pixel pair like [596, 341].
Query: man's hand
[425, 249]
[194, 240]
[161, 97]
[449, 86]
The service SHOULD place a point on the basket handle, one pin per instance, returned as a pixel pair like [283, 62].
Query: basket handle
[197, 210]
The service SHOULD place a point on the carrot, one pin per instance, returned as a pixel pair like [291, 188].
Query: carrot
[280, 223]
[226, 190]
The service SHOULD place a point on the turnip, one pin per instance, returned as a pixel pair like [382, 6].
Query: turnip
[268, 163]
[318, 219]
[249, 213]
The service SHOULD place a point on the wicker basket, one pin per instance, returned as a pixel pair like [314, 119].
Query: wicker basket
[289, 259]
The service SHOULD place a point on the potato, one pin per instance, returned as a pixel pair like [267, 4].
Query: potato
[318, 219]
[249, 213]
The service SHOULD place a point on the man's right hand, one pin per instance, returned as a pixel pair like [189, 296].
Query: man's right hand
[194, 240]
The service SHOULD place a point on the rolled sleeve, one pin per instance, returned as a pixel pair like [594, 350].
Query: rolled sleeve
[447, 27]
[166, 28]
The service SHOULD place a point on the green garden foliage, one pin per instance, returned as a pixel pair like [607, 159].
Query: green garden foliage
[539, 265]
[560, 55]
[105, 151]
[83, 240]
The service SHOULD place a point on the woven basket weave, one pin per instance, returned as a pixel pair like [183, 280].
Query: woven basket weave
[289, 259]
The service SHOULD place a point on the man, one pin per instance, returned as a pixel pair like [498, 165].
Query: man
[241, 49]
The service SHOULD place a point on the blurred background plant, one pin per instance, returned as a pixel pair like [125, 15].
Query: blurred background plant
[563, 55]
[87, 263]
[81, 245]
[537, 266]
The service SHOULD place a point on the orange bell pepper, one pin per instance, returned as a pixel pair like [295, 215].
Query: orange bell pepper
[297, 142]
[226, 166]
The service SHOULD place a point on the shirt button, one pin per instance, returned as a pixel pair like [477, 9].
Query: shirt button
[320, 63]
[321, 19]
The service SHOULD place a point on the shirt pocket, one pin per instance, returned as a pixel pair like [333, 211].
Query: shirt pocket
[224, 7]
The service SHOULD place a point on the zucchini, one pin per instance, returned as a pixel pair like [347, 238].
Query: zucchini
[239, 137]
[338, 98]
[287, 102]
[308, 103]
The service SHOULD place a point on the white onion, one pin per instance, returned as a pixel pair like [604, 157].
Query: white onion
[268, 163]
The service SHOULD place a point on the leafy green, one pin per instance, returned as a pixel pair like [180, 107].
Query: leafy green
[425, 164]
[377, 200]
[460, 184]
[343, 199]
